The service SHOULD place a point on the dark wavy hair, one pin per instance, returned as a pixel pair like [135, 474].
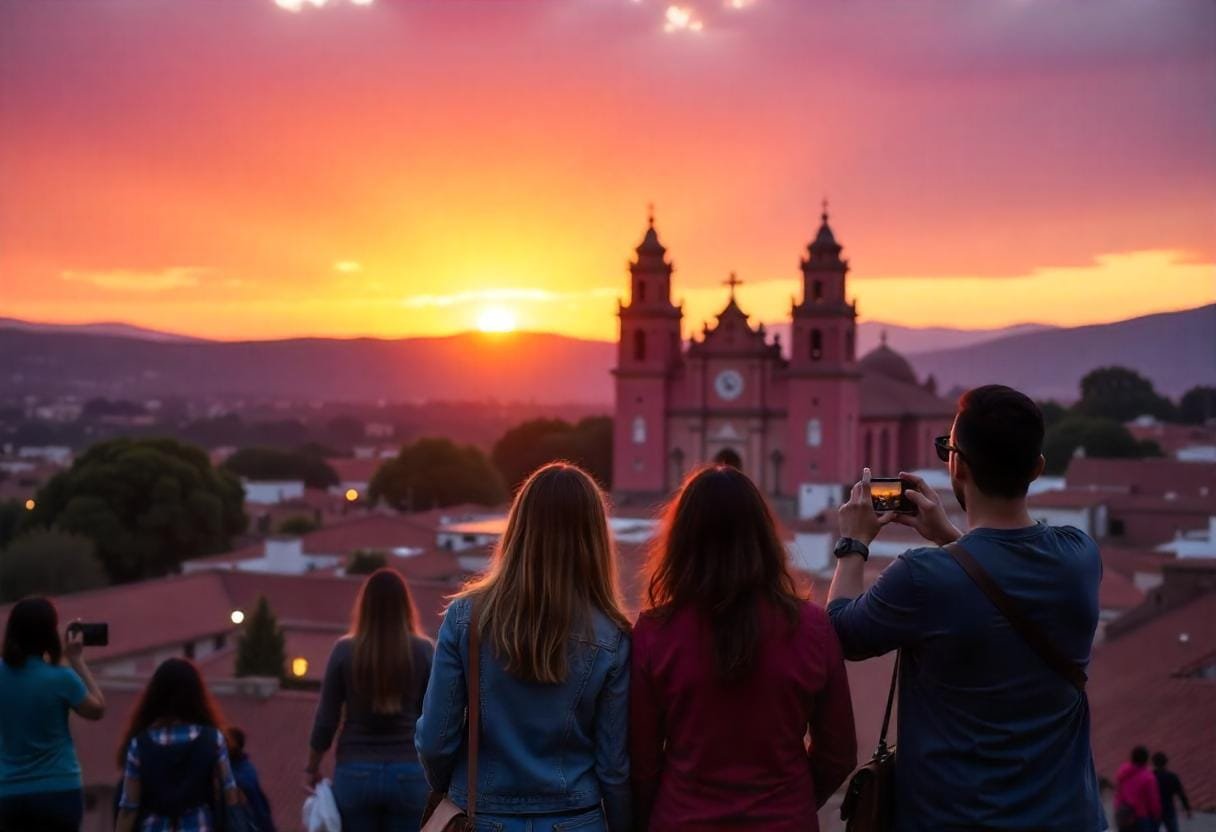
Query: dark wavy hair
[32, 632]
[718, 551]
[175, 693]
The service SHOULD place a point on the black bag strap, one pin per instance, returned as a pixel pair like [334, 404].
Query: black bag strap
[886, 717]
[1027, 629]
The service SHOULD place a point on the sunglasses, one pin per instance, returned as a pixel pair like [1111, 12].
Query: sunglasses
[943, 447]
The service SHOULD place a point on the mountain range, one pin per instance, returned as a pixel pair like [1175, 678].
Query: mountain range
[1176, 350]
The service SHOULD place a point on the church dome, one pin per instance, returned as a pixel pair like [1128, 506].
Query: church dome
[884, 361]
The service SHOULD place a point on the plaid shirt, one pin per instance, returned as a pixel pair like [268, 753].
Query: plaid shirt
[200, 819]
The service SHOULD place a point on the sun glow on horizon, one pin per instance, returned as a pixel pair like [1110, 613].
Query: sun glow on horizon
[496, 319]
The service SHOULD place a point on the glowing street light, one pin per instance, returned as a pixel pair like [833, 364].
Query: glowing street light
[351, 495]
[29, 505]
[237, 617]
[299, 667]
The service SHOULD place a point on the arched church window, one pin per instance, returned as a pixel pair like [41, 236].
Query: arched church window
[639, 431]
[849, 347]
[814, 433]
[884, 450]
[867, 454]
[817, 290]
[641, 298]
[816, 345]
[639, 345]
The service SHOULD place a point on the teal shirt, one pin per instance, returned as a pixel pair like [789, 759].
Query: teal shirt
[36, 750]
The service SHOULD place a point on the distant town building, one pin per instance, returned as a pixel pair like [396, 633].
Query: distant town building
[801, 426]
[270, 492]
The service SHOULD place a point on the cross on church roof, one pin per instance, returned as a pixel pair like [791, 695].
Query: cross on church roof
[650, 214]
[732, 283]
[824, 215]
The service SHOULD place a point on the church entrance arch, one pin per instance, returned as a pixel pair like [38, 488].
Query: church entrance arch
[729, 456]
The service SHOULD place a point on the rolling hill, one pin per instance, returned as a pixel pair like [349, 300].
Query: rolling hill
[1176, 350]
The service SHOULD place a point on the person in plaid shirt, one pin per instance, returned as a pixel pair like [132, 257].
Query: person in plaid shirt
[174, 757]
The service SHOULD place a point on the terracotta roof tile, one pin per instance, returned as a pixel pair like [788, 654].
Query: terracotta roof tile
[1136, 699]
[1143, 476]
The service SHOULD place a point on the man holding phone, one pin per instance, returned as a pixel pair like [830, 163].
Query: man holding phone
[994, 628]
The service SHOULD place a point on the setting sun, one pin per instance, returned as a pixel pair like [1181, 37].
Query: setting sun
[496, 319]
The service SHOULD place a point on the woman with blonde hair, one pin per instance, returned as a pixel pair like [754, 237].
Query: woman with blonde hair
[553, 670]
[373, 686]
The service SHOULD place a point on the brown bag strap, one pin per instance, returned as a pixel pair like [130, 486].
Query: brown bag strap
[1027, 629]
[474, 707]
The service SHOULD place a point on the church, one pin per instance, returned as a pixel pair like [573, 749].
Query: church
[800, 422]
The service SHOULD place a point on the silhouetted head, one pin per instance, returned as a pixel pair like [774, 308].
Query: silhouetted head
[998, 443]
[1160, 760]
[384, 619]
[176, 694]
[1140, 755]
[553, 565]
[718, 551]
[236, 743]
[32, 632]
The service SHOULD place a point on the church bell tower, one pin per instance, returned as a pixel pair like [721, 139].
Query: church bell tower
[824, 392]
[647, 353]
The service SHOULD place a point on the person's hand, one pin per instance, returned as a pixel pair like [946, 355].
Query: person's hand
[312, 776]
[930, 521]
[73, 644]
[858, 519]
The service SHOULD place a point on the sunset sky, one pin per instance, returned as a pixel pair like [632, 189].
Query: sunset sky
[253, 169]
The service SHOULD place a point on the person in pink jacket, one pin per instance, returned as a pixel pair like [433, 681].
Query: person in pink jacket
[1137, 798]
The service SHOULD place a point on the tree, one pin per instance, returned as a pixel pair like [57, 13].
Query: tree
[147, 505]
[1103, 438]
[1053, 412]
[528, 446]
[433, 473]
[1198, 405]
[49, 563]
[1121, 394]
[12, 517]
[276, 464]
[261, 650]
[298, 524]
[365, 562]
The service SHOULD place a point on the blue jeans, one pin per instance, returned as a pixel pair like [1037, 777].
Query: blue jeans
[380, 797]
[44, 811]
[587, 820]
[1170, 822]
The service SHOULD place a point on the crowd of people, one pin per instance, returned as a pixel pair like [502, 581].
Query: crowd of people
[725, 704]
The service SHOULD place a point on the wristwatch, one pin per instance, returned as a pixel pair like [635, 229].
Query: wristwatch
[848, 546]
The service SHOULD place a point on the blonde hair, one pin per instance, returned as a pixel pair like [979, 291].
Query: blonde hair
[553, 565]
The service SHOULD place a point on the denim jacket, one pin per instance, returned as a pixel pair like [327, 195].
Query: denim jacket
[544, 747]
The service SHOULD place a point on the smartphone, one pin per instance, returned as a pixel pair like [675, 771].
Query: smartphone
[888, 494]
[93, 634]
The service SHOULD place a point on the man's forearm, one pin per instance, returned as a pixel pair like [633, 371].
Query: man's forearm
[849, 580]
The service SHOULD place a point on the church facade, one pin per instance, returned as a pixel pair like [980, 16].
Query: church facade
[801, 423]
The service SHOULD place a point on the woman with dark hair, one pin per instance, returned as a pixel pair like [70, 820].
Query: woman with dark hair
[732, 669]
[176, 771]
[552, 658]
[374, 685]
[40, 785]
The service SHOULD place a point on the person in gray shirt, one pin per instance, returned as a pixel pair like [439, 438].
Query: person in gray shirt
[373, 688]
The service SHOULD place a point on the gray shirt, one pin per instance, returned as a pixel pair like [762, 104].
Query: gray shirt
[368, 736]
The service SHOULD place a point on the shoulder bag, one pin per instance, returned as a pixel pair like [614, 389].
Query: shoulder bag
[442, 815]
[869, 800]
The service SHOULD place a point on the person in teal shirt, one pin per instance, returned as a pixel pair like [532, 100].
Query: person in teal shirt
[40, 784]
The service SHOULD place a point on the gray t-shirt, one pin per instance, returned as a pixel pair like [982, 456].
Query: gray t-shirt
[368, 736]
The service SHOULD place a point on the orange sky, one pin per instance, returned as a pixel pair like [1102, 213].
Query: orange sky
[237, 170]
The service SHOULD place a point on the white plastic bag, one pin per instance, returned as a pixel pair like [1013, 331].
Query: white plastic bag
[321, 810]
